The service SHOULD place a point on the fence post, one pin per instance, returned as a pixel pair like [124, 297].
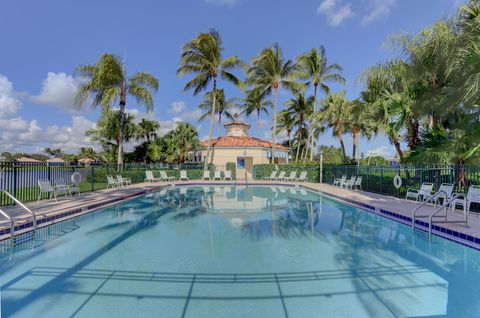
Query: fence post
[92, 179]
[14, 180]
[381, 180]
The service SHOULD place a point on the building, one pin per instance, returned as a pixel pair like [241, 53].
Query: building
[245, 151]
[55, 162]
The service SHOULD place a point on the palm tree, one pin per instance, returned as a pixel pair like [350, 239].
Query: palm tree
[254, 103]
[299, 108]
[268, 72]
[360, 123]
[107, 82]
[286, 123]
[335, 113]
[185, 138]
[146, 129]
[87, 152]
[202, 56]
[314, 68]
[223, 107]
[57, 152]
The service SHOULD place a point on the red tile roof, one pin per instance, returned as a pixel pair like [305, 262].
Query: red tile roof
[237, 141]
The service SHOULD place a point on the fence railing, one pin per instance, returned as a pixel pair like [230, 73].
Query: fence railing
[21, 179]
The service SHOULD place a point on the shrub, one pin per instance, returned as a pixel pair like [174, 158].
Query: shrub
[233, 168]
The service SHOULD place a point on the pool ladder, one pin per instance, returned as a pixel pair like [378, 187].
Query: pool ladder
[11, 219]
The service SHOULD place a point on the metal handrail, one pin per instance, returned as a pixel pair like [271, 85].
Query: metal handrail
[12, 225]
[435, 196]
[465, 209]
[24, 207]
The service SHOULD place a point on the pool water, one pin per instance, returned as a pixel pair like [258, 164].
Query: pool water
[237, 252]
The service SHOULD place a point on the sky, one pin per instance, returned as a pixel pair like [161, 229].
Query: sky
[43, 42]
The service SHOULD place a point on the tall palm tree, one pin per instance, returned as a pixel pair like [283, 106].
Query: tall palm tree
[286, 122]
[268, 72]
[314, 68]
[146, 128]
[299, 107]
[254, 103]
[203, 56]
[185, 138]
[107, 82]
[223, 107]
[360, 123]
[335, 113]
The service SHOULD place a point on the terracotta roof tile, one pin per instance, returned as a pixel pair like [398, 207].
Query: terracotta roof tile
[237, 141]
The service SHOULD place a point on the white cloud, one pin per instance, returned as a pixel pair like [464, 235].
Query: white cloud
[178, 107]
[335, 11]
[191, 116]
[383, 151]
[378, 9]
[166, 126]
[229, 3]
[9, 103]
[59, 90]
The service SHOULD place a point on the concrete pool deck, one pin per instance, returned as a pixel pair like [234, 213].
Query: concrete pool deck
[49, 212]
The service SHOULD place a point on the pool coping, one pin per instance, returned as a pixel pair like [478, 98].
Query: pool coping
[437, 230]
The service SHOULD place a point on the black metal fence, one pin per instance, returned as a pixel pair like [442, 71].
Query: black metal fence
[21, 179]
[380, 179]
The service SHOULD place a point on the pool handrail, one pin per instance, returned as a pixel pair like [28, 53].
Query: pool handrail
[430, 199]
[12, 225]
[34, 217]
[447, 203]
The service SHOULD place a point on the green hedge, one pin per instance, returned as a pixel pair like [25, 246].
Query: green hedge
[233, 168]
[264, 170]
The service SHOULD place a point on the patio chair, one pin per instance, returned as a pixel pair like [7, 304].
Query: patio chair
[418, 194]
[337, 181]
[206, 175]
[472, 196]
[183, 175]
[303, 177]
[357, 184]
[150, 177]
[124, 181]
[165, 177]
[62, 186]
[348, 183]
[447, 193]
[46, 187]
[75, 179]
[217, 175]
[272, 176]
[291, 177]
[280, 177]
[228, 175]
[112, 182]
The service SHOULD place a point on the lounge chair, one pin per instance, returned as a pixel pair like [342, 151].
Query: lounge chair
[150, 177]
[217, 175]
[472, 196]
[272, 176]
[291, 177]
[280, 177]
[337, 181]
[53, 191]
[206, 175]
[165, 177]
[228, 175]
[445, 193]
[418, 194]
[348, 183]
[123, 181]
[183, 175]
[112, 182]
[62, 186]
[357, 184]
[303, 177]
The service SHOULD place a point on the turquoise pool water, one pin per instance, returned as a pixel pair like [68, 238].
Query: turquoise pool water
[237, 252]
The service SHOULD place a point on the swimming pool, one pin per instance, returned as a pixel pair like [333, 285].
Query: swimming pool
[229, 251]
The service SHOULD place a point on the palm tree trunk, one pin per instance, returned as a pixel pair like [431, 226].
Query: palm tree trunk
[355, 142]
[219, 123]
[342, 145]
[398, 149]
[258, 123]
[298, 143]
[312, 145]
[275, 115]
[120, 136]
[212, 119]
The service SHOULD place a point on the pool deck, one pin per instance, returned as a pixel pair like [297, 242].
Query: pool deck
[49, 211]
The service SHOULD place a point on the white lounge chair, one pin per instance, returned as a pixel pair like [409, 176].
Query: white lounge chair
[272, 176]
[445, 193]
[150, 177]
[418, 194]
[348, 183]
[357, 184]
[228, 175]
[206, 175]
[112, 182]
[183, 175]
[280, 177]
[291, 177]
[303, 177]
[165, 177]
[337, 181]
[123, 181]
[472, 196]
[217, 175]
[46, 187]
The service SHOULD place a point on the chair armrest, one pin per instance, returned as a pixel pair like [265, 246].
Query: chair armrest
[412, 190]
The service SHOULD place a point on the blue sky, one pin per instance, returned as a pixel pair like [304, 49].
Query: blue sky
[44, 41]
